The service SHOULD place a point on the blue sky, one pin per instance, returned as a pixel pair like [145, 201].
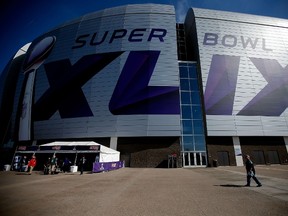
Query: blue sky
[23, 20]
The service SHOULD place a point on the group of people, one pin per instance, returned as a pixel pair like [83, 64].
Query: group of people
[51, 166]
[27, 165]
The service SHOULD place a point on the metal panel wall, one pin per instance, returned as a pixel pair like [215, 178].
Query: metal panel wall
[244, 62]
[132, 39]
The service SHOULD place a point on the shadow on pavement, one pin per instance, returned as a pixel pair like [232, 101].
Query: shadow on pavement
[230, 185]
[22, 173]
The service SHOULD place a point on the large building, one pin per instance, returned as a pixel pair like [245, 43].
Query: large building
[209, 90]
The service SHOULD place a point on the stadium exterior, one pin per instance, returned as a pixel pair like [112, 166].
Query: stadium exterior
[209, 90]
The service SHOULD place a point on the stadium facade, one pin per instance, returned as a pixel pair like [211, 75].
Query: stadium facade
[208, 90]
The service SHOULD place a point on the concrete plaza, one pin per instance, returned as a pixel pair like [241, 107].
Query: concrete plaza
[146, 191]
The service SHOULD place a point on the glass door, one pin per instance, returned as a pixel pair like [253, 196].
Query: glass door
[194, 159]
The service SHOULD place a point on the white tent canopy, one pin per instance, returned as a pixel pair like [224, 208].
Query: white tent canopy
[72, 143]
[106, 154]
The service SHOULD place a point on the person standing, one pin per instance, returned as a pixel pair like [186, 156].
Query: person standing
[47, 166]
[32, 164]
[53, 164]
[82, 164]
[66, 165]
[23, 164]
[251, 172]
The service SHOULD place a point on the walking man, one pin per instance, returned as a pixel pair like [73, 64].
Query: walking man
[251, 172]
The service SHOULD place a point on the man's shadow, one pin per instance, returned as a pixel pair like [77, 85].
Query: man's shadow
[230, 185]
[22, 173]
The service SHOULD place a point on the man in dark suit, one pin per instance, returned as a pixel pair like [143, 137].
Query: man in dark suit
[82, 164]
[251, 172]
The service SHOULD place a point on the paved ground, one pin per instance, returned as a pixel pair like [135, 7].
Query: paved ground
[145, 192]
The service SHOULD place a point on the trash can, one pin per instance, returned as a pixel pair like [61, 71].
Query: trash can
[7, 167]
[73, 169]
[215, 163]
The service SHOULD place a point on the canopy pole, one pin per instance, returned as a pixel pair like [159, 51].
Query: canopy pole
[75, 158]
[12, 163]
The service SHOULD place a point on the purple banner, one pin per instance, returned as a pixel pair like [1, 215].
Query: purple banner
[107, 166]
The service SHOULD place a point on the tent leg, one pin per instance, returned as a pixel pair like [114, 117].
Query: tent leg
[75, 159]
[13, 158]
